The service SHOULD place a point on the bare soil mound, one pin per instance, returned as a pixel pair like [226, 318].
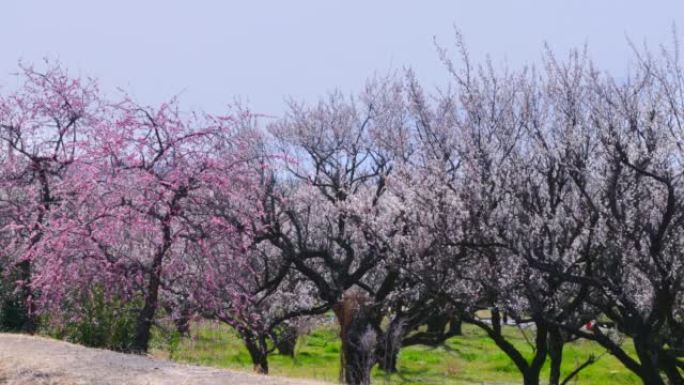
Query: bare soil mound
[28, 360]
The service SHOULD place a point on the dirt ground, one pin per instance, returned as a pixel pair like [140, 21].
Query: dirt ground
[27, 360]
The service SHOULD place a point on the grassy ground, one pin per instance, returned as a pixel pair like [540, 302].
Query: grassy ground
[468, 359]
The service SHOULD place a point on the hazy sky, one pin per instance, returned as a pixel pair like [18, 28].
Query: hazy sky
[212, 51]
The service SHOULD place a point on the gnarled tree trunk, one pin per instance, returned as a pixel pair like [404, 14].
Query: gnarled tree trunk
[359, 339]
[390, 344]
[258, 351]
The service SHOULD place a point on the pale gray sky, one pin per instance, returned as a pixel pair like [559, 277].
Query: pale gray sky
[212, 51]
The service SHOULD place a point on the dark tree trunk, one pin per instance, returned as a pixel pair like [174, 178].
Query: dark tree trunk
[648, 358]
[146, 317]
[669, 366]
[541, 343]
[651, 377]
[531, 377]
[390, 344]
[556, 355]
[258, 352]
[455, 326]
[358, 349]
[388, 361]
[359, 339]
[286, 340]
[27, 301]
[141, 342]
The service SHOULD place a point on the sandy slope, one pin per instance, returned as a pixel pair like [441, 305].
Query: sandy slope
[30, 360]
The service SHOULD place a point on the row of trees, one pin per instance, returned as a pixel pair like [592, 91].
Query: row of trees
[552, 198]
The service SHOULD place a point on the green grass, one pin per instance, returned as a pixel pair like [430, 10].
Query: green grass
[468, 359]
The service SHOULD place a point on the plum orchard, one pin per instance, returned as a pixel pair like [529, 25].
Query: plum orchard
[551, 198]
